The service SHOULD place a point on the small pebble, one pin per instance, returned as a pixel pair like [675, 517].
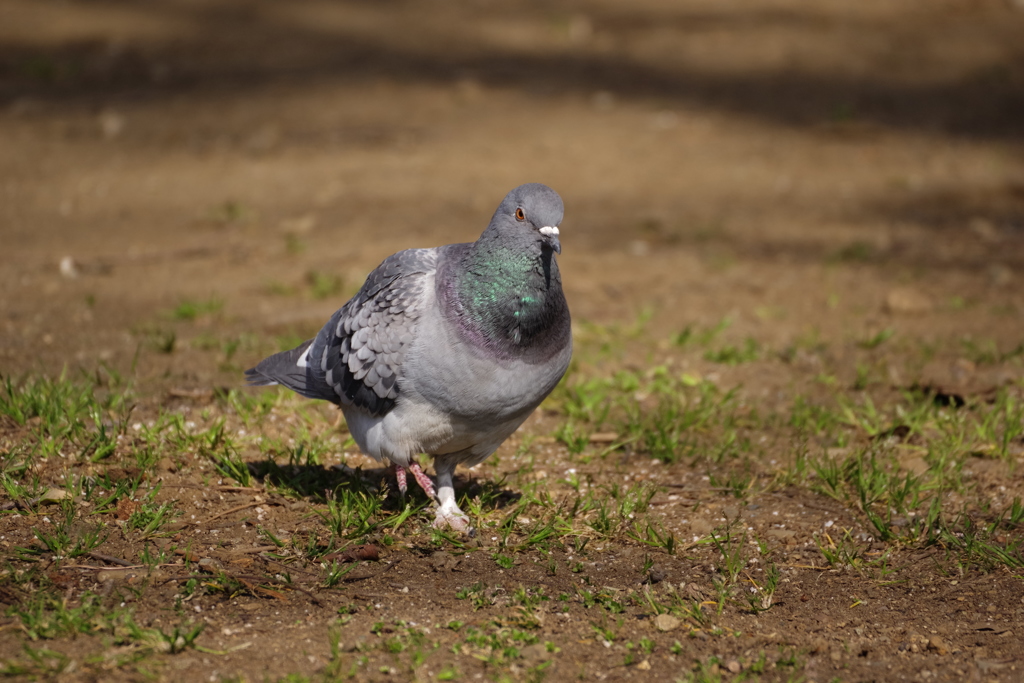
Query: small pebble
[937, 644]
[666, 622]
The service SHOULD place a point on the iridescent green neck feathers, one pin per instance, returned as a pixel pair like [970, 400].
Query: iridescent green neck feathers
[510, 298]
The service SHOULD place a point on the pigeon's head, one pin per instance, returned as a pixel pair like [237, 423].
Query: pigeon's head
[530, 213]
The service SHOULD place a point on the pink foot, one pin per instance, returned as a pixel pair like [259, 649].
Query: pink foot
[400, 476]
[422, 479]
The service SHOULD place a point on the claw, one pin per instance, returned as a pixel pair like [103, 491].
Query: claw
[448, 515]
[454, 519]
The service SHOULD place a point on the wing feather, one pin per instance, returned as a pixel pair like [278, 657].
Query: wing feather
[362, 347]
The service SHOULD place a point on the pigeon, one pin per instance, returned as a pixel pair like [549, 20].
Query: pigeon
[444, 351]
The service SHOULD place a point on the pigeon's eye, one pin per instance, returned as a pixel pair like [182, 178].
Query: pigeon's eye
[520, 216]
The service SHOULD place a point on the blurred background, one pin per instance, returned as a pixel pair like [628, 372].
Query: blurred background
[190, 183]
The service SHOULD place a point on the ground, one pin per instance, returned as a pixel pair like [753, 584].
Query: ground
[790, 443]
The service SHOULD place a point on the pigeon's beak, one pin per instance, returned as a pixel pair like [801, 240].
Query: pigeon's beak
[551, 233]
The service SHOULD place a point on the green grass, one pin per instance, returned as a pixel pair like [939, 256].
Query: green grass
[44, 616]
[749, 351]
[898, 464]
[324, 285]
[192, 309]
[692, 335]
[150, 517]
[667, 416]
[496, 645]
[63, 414]
[354, 511]
[62, 420]
[63, 538]
[876, 340]
[986, 351]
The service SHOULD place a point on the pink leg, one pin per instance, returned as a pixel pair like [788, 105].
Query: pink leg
[400, 476]
[422, 479]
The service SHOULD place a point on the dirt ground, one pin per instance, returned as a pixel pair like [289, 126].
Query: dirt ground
[811, 203]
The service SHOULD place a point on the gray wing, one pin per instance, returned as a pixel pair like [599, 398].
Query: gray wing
[359, 353]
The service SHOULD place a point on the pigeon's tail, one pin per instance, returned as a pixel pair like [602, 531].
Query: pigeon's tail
[289, 369]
